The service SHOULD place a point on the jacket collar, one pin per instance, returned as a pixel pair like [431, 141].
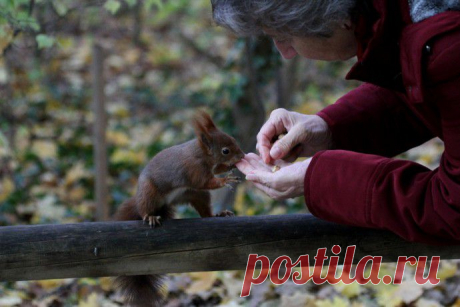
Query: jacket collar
[378, 35]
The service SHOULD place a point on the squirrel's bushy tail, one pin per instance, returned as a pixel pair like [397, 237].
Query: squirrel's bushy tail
[140, 290]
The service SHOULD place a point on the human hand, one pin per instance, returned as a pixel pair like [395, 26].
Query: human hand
[286, 182]
[306, 135]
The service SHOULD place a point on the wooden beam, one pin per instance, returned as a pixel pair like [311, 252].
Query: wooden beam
[185, 245]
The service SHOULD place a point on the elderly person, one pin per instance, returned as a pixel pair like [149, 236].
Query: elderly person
[408, 55]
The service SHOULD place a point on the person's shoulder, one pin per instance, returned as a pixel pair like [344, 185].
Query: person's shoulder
[442, 54]
[434, 44]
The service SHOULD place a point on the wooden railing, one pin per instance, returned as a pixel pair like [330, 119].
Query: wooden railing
[185, 245]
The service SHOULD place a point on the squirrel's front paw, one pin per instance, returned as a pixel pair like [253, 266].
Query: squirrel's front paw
[225, 213]
[229, 179]
[154, 221]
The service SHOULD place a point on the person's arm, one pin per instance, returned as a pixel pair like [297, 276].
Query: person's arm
[375, 120]
[402, 196]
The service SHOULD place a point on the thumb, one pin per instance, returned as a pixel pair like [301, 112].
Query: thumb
[282, 147]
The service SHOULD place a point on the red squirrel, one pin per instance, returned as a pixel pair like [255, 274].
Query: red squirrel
[177, 175]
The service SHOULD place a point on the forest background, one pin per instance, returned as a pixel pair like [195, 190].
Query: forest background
[161, 61]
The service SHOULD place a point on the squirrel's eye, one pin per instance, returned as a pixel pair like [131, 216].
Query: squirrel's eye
[225, 151]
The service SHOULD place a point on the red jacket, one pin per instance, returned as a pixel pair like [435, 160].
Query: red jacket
[411, 94]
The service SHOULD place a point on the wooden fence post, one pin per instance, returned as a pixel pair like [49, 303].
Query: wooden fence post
[99, 135]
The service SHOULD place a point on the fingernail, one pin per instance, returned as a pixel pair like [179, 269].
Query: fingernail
[275, 152]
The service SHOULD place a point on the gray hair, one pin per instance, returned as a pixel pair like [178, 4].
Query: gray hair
[291, 17]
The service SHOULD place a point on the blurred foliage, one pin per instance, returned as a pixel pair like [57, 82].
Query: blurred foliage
[163, 59]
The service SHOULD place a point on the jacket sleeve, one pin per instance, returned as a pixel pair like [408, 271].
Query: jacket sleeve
[401, 196]
[375, 120]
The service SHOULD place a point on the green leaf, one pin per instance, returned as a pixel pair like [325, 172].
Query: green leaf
[10, 4]
[112, 6]
[131, 3]
[45, 41]
[149, 3]
[60, 7]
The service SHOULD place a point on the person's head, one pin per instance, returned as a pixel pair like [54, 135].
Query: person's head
[319, 29]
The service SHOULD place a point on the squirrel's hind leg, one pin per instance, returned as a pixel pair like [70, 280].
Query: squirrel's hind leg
[201, 201]
[149, 202]
[166, 212]
[198, 199]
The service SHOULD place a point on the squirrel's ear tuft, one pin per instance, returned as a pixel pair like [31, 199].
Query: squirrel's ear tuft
[205, 121]
[203, 125]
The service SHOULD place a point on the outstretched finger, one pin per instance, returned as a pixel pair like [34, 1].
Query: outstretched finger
[257, 162]
[244, 166]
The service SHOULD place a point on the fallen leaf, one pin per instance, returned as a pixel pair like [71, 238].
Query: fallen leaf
[50, 284]
[77, 172]
[6, 188]
[409, 291]
[47, 208]
[203, 281]
[447, 269]
[426, 303]
[385, 295]
[118, 138]
[106, 284]
[91, 301]
[8, 301]
[44, 149]
[336, 302]
[76, 194]
[351, 290]
[299, 299]
[128, 156]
